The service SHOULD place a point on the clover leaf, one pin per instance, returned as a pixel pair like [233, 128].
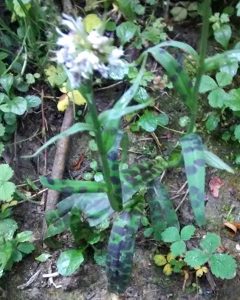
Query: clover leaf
[172, 235]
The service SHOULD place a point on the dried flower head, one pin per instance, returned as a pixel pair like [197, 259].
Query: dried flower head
[83, 53]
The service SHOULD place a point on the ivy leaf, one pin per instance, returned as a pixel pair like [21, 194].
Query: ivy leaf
[6, 82]
[178, 248]
[17, 105]
[195, 258]
[6, 188]
[212, 122]
[33, 101]
[24, 236]
[223, 266]
[223, 35]
[69, 261]
[43, 257]
[223, 79]
[210, 242]
[126, 31]
[26, 247]
[207, 84]
[187, 232]
[217, 98]
[171, 234]
[149, 121]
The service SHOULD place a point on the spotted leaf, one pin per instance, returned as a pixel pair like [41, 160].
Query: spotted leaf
[194, 161]
[72, 186]
[161, 207]
[120, 251]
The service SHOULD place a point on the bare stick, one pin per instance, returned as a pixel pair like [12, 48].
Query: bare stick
[59, 162]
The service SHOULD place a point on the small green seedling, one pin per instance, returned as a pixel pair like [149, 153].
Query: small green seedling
[178, 239]
[222, 265]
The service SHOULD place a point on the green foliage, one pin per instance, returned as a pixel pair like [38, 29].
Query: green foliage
[7, 188]
[221, 29]
[162, 212]
[69, 261]
[115, 189]
[222, 265]
[13, 247]
[194, 161]
[183, 9]
[177, 240]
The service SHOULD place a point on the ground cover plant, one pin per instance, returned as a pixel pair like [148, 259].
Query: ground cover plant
[111, 202]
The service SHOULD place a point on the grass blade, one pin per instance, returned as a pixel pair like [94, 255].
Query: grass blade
[78, 127]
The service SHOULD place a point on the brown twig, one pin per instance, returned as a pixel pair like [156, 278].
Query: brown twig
[59, 162]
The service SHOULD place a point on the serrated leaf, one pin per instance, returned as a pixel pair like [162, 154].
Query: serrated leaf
[217, 98]
[24, 236]
[43, 257]
[148, 121]
[33, 101]
[223, 79]
[55, 75]
[214, 161]
[126, 31]
[171, 234]
[187, 232]
[223, 266]
[7, 229]
[194, 161]
[210, 242]
[207, 84]
[178, 248]
[6, 188]
[69, 261]
[195, 258]
[6, 82]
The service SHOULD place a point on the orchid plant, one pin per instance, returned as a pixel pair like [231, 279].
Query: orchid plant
[84, 54]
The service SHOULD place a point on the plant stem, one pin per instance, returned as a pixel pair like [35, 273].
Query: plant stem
[103, 155]
[202, 54]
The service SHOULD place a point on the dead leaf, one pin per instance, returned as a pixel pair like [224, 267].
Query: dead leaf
[215, 184]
